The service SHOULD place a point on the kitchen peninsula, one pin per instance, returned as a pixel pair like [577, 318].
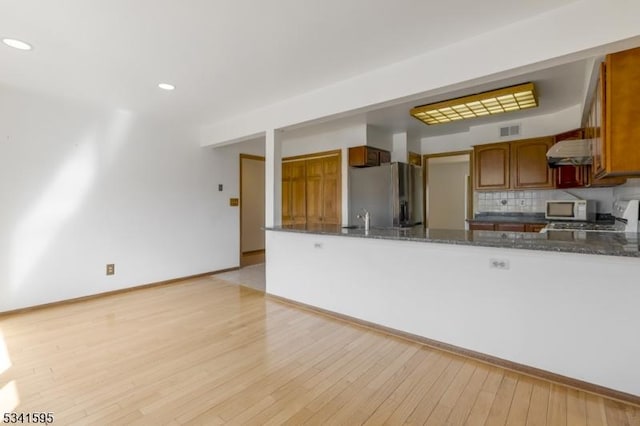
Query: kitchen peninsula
[565, 305]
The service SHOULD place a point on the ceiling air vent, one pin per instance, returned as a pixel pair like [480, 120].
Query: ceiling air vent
[510, 130]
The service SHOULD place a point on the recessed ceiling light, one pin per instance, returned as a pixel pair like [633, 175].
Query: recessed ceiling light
[166, 86]
[17, 44]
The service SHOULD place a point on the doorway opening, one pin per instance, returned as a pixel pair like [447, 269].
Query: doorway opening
[252, 209]
[448, 190]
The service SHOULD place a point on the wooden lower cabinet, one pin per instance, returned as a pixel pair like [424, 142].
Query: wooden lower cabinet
[312, 190]
[510, 227]
[534, 227]
[482, 227]
[506, 227]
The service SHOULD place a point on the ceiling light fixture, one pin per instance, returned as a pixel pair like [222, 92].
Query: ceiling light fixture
[166, 86]
[507, 99]
[17, 44]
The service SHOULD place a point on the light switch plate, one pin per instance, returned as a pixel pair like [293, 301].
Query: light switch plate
[234, 202]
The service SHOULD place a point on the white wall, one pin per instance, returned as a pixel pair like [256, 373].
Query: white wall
[323, 137]
[629, 191]
[82, 187]
[378, 137]
[531, 127]
[571, 314]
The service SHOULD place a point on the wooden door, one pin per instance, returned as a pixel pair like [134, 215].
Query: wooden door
[294, 209]
[286, 194]
[529, 168]
[298, 193]
[314, 191]
[492, 166]
[331, 191]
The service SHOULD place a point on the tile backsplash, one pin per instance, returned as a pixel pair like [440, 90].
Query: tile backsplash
[510, 201]
[534, 201]
[628, 191]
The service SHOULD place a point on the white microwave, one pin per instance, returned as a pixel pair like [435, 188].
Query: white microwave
[571, 210]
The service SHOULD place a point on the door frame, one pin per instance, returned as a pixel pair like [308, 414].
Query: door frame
[246, 157]
[425, 181]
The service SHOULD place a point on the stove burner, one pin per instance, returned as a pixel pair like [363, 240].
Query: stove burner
[583, 226]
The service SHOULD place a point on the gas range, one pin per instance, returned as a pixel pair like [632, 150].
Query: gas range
[625, 215]
[584, 226]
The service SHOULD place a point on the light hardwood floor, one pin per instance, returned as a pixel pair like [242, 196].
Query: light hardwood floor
[209, 352]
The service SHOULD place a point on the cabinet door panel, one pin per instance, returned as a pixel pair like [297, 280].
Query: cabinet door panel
[510, 227]
[481, 226]
[598, 123]
[331, 190]
[286, 194]
[621, 112]
[529, 164]
[492, 166]
[293, 193]
[314, 191]
[534, 227]
[298, 201]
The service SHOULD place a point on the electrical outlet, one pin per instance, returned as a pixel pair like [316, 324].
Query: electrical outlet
[498, 264]
[219, 187]
[111, 268]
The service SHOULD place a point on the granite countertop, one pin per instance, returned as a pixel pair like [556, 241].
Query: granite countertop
[599, 243]
[494, 217]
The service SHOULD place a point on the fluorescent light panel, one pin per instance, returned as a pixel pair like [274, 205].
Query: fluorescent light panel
[513, 98]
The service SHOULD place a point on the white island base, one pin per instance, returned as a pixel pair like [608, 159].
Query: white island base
[575, 315]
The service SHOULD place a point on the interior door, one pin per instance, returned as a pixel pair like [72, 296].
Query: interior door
[252, 209]
[447, 191]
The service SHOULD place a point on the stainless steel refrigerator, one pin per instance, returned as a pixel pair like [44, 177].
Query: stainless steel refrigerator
[391, 193]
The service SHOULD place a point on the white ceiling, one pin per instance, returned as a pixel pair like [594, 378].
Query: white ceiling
[230, 56]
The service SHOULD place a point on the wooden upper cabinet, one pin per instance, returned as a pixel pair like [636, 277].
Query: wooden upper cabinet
[513, 165]
[595, 121]
[529, 168]
[615, 145]
[368, 156]
[492, 166]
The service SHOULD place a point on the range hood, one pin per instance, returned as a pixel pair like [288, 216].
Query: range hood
[575, 152]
